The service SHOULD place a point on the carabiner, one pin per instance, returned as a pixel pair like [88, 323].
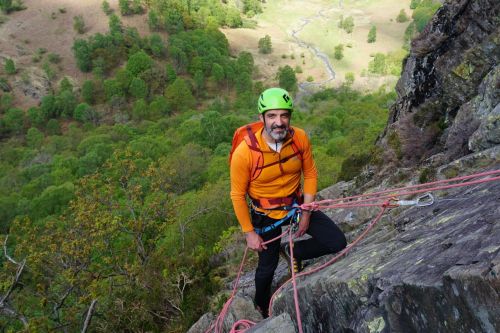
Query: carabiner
[426, 199]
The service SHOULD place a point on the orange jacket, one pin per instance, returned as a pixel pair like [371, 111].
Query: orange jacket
[277, 181]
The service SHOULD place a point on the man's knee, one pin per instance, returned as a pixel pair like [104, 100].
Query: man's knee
[337, 243]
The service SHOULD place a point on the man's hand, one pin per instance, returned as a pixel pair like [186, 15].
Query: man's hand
[254, 241]
[304, 223]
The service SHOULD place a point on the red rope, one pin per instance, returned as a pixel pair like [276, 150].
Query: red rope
[382, 199]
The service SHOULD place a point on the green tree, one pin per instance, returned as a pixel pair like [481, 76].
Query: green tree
[6, 6]
[53, 127]
[83, 55]
[173, 21]
[48, 107]
[113, 88]
[339, 52]
[414, 3]
[35, 117]
[402, 17]
[349, 79]
[179, 95]
[170, 72]
[139, 62]
[85, 114]
[372, 35]
[140, 110]
[233, 18]
[65, 103]
[88, 92]
[124, 6]
[34, 138]
[265, 45]
[115, 25]
[378, 64]
[218, 73]
[153, 20]
[287, 79]
[65, 84]
[424, 12]
[252, 6]
[156, 45]
[199, 82]
[10, 67]
[79, 24]
[6, 101]
[138, 88]
[348, 24]
[14, 121]
[159, 106]
[106, 8]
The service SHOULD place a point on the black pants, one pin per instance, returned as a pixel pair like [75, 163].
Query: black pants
[326, 238]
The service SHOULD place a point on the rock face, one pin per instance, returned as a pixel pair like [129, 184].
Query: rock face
[425, 269]
[448, 94]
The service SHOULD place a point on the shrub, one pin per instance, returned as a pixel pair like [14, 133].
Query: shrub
[372, 35]
[139, 62]
[53, 127]
[349, 78]
[79, 24]
[88, 92]
[10, 67]
[378, 65]
[85, 113]
[402, 17]
[265, 45]
[54, 58]
[106, 8]
[339, 52]
[352, 166]
[138, 88]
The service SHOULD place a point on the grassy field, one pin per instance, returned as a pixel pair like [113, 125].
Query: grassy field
[281, 18]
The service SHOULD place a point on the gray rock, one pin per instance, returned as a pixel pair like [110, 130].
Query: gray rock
[202, 325]
[279, 324]
[438, 275]
[448, 89]
[35, 84]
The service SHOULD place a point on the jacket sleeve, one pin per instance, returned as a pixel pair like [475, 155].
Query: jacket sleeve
[309, 168]
[240, 177]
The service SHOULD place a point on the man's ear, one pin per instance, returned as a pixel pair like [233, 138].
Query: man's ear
[261, 117]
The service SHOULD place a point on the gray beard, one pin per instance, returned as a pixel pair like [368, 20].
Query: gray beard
[278, 137]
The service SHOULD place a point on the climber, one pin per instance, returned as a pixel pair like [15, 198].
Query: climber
[267, 165]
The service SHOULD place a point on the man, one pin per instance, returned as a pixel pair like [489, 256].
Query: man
[276, 189]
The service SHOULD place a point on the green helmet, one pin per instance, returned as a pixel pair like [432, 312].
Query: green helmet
[274, 99]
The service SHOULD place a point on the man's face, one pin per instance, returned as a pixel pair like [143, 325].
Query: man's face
[276, 123]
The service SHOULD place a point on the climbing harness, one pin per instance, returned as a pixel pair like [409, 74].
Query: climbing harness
[292, 214]
[383, 199]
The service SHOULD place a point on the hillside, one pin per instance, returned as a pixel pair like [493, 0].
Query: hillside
[48, 26]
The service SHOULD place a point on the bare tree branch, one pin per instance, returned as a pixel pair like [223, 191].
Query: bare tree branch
[5, 251]
[4, 307]
[89, 316]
